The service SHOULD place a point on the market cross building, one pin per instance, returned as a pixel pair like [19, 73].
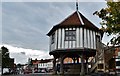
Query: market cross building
[77, 38]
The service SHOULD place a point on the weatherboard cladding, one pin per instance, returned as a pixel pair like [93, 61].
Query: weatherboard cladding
[75, 20]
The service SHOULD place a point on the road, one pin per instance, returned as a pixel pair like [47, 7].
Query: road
[49, 74]
[35, 74]
[39, 74]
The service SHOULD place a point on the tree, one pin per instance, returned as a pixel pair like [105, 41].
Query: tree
[5, 52]
[111, 21]
[7, 62]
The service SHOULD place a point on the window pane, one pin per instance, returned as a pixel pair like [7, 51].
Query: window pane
[118, 63]
[70, 32]
[66, 33]
[74, 37]
[70, 38]
[66, 38]
[53, 38]
[73, 32]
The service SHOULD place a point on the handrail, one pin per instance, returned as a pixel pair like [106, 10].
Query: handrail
[94, 66]
[100, 54]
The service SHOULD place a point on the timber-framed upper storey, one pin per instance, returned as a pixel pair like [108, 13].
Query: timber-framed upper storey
[75, 31]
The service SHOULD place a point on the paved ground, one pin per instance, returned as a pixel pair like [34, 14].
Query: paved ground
[48, 74]
[36, 74]
[39, 74]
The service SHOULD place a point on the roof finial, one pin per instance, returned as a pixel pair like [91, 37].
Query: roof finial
[76, 5]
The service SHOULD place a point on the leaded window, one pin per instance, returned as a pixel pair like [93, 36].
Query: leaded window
[70, 35]
[53, 38]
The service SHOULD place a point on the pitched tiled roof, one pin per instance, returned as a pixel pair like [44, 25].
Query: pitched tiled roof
[75, 20]
[41, 61]
[71, 20]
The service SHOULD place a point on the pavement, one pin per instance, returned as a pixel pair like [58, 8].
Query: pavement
[49, 74]
[34, 74]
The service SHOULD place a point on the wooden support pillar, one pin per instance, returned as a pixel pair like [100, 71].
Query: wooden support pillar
[87, 65]
[82, 66]
[73, 60]
[54, 66]
[2, 70]
[77, 59]
[61, 65]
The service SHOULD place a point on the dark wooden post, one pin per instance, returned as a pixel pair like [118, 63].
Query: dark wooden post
[2, 70]
[77, 59]
[87, 65]
[73, 60]
[82, 66]
[61, 65]
[54, 66]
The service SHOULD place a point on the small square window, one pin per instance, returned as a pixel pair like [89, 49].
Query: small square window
[70, 35]
[53, 38]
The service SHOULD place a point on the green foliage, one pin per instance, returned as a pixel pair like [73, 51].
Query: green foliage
[111, 21]
[6, 60]
[5, 52]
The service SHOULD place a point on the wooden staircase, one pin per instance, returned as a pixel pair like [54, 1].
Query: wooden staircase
[98, 60]
[103, 56]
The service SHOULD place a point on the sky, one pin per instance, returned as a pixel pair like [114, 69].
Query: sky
[25, 25]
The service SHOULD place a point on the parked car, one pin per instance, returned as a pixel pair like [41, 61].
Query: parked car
[43, 71]
[27, 71]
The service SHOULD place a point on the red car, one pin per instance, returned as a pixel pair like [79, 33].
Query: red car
[27, 71]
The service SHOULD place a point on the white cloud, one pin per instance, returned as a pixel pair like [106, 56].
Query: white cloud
[27, 23]
[21, 55]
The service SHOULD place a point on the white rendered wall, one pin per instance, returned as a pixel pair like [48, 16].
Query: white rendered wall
[85, 38]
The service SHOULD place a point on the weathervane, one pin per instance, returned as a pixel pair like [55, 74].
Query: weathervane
[76, 5]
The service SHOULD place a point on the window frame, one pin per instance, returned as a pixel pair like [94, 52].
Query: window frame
[53, 38]
[70, 35]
